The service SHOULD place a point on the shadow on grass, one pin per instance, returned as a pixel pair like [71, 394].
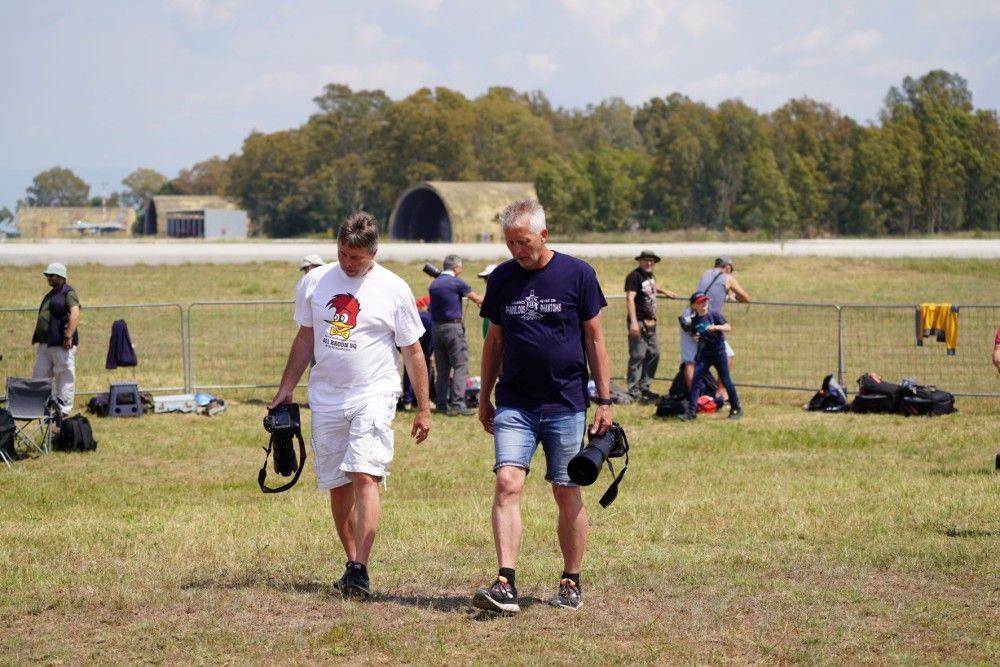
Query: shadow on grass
[970, 532]
[452, 604]
[284, 585]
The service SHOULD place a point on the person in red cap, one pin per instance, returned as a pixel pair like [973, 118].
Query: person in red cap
[709, 328]
[408, 400]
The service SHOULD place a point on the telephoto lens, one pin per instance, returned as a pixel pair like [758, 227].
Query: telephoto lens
[584, 468]
[431, 270]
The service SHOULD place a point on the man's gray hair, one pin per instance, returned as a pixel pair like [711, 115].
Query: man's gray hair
[360, 230]
[517, 211]
[451, 261]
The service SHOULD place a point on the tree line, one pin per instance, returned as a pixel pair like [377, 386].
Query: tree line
[930, 164]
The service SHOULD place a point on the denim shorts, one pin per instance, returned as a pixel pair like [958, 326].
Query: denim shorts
[516, 434]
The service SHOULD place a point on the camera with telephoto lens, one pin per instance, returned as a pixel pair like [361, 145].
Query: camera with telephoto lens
[687, 323]
[431, 270]
[584, 468]
[282, 422]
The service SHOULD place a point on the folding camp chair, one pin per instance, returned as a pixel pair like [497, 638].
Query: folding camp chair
[30, 401]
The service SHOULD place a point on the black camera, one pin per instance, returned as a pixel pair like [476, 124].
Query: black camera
[686, 320]
[584, 468]
[282, 422]
[431, 270]
[284, 417]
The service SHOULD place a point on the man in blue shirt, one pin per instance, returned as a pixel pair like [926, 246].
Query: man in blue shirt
[451, 350]
[545, 331]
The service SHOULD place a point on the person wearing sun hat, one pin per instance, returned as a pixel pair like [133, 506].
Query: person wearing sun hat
[643, 345]
[57, 337]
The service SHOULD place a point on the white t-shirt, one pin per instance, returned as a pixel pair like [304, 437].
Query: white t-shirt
[357, 325]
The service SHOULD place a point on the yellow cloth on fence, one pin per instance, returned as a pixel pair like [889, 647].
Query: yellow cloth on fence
[939, 320]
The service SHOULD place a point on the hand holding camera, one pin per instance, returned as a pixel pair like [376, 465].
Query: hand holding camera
[282, 422]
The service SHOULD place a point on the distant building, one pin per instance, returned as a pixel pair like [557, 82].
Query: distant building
[454, 211]
[195, 216]
[52, 222]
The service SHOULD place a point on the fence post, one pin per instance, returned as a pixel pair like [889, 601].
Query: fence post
[840, 346]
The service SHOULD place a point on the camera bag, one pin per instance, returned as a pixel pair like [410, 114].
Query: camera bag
[877, 396]
[76, 435]
[669, 406]
[929, 400]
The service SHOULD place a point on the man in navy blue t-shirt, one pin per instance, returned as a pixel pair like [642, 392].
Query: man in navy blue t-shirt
[545, 331]
[451, 349]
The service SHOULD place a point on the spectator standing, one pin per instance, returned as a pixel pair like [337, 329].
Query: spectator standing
[353, 314]
[485, 275]
[451, 349]
[545, 330]
[408, 401]
[643, 345]
[710, 327]
[58, 337]
[996, 351]
[719, 284]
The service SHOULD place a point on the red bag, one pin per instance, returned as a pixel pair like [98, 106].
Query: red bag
[706, 404]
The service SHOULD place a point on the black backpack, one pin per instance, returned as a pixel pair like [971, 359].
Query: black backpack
[679, 388]
[76, 435]
[876, 395]
[926, 400]
[829, 398]
[670, 406]
[7, 428]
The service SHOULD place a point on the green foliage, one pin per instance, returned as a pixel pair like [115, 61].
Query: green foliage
[57, 186]
[141, 185]
[931, 165]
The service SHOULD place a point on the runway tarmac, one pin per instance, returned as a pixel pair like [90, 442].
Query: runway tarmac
[129, 252]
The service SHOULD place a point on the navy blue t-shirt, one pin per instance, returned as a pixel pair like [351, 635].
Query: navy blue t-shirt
[446, 292]
[710, 343]
[544, 365]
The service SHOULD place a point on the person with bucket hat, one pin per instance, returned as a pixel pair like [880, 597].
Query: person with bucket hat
[57, 337]
[643, 345]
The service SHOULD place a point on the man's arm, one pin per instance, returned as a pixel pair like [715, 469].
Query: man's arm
[667, 293]
[633, 319]
[733, 285]
[489, 371]
[74, 321]
[996, 356]
[299, 357]
[597, 360]
[416, 369]
[475, 298]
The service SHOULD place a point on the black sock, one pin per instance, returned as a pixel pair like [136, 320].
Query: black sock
[574, 577]
[508, 574]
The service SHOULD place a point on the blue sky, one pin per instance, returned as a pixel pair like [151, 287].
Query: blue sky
[107, 86]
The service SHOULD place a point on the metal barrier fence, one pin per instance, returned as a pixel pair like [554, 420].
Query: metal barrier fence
[156, 330]
[238, 344]
[244, 344]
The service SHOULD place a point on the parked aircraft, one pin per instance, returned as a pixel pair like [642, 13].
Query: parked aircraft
[99, 228]
[8, 228]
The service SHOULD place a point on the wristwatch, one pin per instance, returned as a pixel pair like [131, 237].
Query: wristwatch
[603, 401]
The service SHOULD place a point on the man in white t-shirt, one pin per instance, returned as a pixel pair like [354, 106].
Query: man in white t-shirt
[352, 315]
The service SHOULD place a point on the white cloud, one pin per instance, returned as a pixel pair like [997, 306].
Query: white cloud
[707, 16]
[217, 11]
[424, 7]
[861, 42]
[812, 40]
[534, 67]
[739, 83]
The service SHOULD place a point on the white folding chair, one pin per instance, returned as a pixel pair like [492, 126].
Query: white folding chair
[30, 401]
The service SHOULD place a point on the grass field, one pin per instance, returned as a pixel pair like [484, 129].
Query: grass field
[788, 537]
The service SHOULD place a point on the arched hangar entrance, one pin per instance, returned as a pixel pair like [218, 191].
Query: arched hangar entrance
[454, 211]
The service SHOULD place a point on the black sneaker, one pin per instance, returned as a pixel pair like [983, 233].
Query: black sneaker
[650, 395]
[686, 417]
[501, 596]
[354, 583]
[735, 414]
[569, 597]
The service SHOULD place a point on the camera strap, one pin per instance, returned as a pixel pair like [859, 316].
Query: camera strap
[612, 492]
[262, 475]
